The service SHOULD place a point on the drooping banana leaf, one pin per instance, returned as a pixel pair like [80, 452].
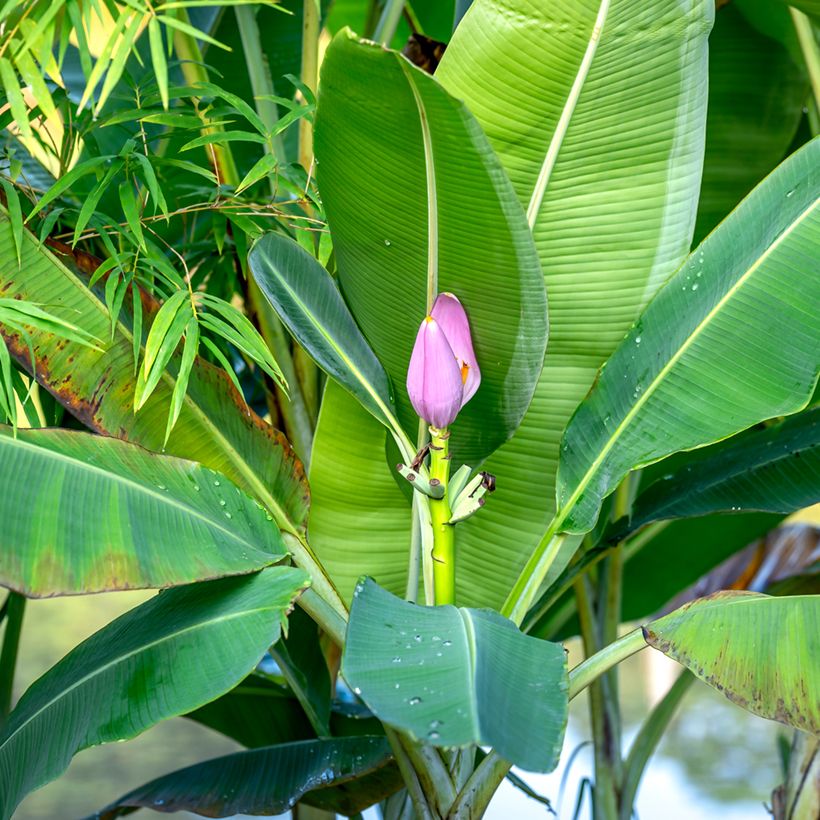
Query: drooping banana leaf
[268, 781]
[215, 426]
[597, 112]
[84, 513]
[760, 652]
[179, 650]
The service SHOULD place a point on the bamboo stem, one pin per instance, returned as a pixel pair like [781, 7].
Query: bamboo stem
[388, 22]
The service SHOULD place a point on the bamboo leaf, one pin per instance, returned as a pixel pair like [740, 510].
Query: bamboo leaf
[186, 363]
[130, 208]
[14, 94]
[15, 216]
[158, 59]
[65, 182]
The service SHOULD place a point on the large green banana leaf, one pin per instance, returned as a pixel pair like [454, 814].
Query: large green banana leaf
[266, 781]
[416, 199]
[84, 513]
[760, 652]
[756, 94]
[181, 649]
[360, 521]
[455, 677]
[733, 339]
[597, 112]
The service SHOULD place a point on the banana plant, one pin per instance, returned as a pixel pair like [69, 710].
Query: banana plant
[532, 407]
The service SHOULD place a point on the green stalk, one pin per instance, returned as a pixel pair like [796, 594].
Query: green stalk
[388, 22]
[298, 423]
[595, 666]
[605, 792]
[256, 62]
[647, 739]
[444, 544]
[408, 773]
[432, 773]
[527, 585]
[15, 608]
[473, 799]
[306, 371]
[811, 51]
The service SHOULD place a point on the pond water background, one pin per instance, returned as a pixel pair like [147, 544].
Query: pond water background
[716, 760]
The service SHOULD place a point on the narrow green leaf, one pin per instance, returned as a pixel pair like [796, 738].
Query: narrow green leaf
[266, 781]
[457, 677]
[119, 56]
[104, 57]
[163, 338]
[264, 166]
[15, 216]
[65, 182]
[760, 652]
[161, 325]
[186, 362]
[158, 59]
[219, 137]
[32, 74]
[20, 311]
[93, 199]
[186, 28]
[238, 103]
[87, 513]
[150, 177]
[130, 208]
[18, 106]
[311, 307]
[178, 651]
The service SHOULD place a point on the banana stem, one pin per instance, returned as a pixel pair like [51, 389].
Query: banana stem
[444, 548]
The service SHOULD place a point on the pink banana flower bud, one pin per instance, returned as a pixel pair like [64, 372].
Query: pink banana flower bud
[443, 374]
